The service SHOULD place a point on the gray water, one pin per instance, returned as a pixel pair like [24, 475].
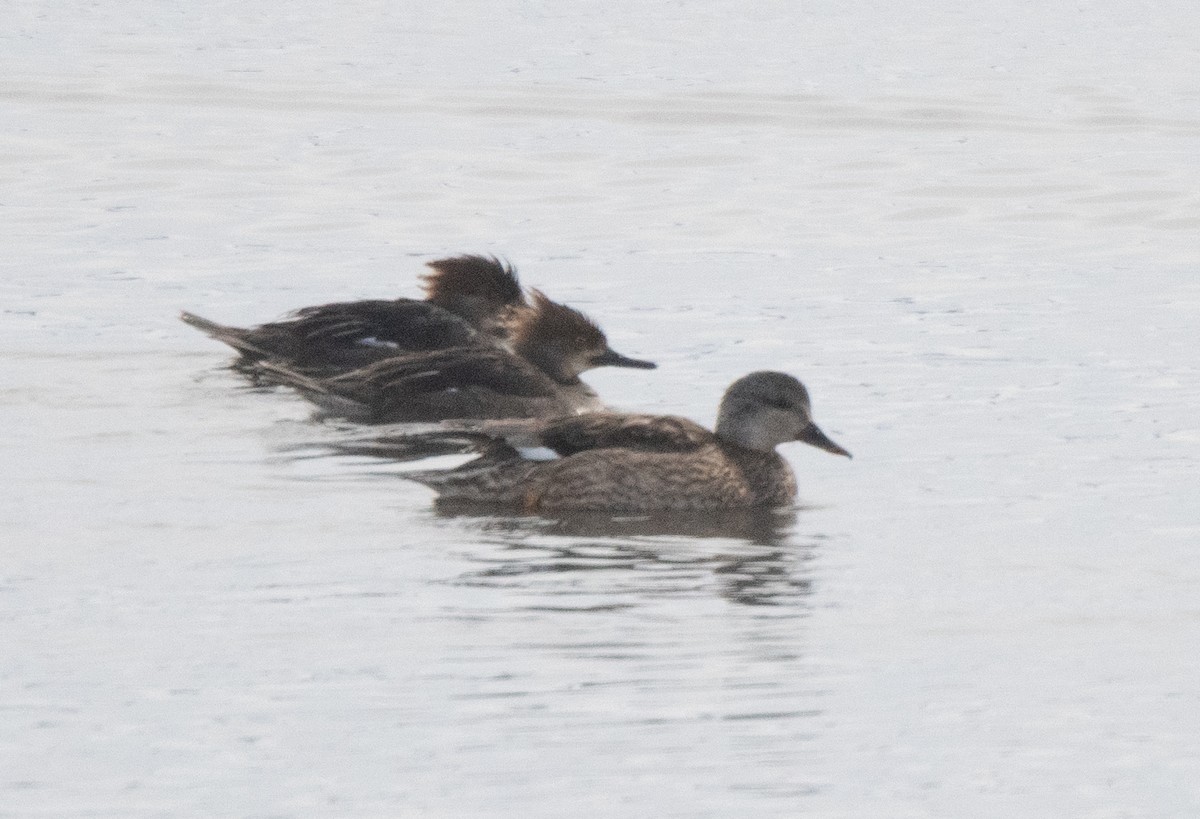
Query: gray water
[971, 232]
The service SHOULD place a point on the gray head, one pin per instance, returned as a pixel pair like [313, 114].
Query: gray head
[562, 341]
[764, 409]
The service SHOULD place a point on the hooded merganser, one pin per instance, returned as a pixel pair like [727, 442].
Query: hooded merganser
[643, 463]
[467, 299]
[551, 344]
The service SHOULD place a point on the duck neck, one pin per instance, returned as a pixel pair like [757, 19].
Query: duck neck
[739, 424]
[767, 474]
[549, 361]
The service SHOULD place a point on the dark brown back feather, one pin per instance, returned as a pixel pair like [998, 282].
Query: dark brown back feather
[409, 324]
[460, 368]
[644, 433]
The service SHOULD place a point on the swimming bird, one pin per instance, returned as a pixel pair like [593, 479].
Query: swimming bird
[641, 463]
[551, 345]
[467, 299]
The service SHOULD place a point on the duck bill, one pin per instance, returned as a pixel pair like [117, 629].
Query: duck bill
[813, 436]
[611, 358]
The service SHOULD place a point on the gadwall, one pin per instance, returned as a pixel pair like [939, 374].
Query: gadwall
[467, 301]
[551, 344]
[643, 463]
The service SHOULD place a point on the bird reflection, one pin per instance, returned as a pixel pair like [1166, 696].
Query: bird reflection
[335, 438]
[748, 558]
[762, 527]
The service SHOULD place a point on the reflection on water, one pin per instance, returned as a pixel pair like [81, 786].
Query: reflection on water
[762, 527]
[982, 262]
[745, 556]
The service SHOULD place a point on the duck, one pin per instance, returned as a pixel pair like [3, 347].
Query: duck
[634, 463]
[467, 300]
[536, 375]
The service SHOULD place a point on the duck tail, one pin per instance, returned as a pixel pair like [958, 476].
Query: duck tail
[235, 337]
[313, 389]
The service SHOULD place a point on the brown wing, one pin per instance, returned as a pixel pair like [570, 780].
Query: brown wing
[461, 368]
[645, 433]
[403, 324]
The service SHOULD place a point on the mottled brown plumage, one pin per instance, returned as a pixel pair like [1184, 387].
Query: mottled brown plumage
[644, 462]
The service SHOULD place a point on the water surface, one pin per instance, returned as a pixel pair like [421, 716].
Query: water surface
[970, 231]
